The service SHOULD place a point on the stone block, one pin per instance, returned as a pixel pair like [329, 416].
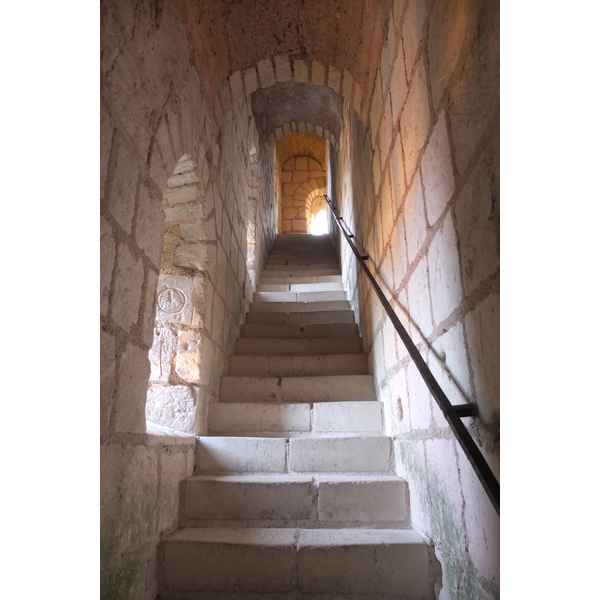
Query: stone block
[376, 107]
[419, 301]
[163, 139]
[300, 70]
[363, 499]
[150, 223]
[172, 472]
[249, 497]
[231, 455]
[359, 561]
[357, 99]
[235, 418]
[265, 71]
[334, 79]
[398, 84]
[106, 137]
[474, 99]
[231, 560]
[122, 185]
[445, 493]
[283, 70]
[180, 299]
[187, 362]
[250, 80]
[482, 327]
[172, 406]
[161, 355]
[191, 256]
[134, 372]
[149, 307]
[318, 73]
[399, 403]
[138, 498]
[107, 378]
[415, 223]
[412, 31]
[338, 455]
[110, 483]
[347, 85]
[483, 523]
[478, 218]
[348, 417]
[108, 253]
[437, 172]
[237, 89]
[415, 120]
[386, 130]
[398, 252]
[127, 291]
[418, 399]
[444, 272]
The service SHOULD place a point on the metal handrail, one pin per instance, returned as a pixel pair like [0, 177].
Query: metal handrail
[452, 413]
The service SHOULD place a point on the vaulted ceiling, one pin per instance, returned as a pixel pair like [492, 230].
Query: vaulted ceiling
[231, 35]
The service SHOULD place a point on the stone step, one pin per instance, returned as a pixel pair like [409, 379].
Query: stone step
[317, 501]
[305, 279]
[321, 388]
[291, 347]
[283, 271]
[302, 257]
[290, 307]
[294, 366]
[303, 332]
[298, 419]
[334, 455]
[289, 562]
[326, 286]
[300, 318]
[298, 296]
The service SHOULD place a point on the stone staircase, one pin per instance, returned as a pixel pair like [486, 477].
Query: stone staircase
[295, 493]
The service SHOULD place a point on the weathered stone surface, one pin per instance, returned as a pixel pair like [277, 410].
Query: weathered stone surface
[180, 299]
[483, 336]
[108, 253]
[182, 194]
[161, 355]
[412, 32]
[445, 492]
[419, 299]
[172, 472]
[149, 307]
[150, 224]
[187, 364]
[138, 504]
[127, 294]
[414, 219]
[250, 80]
[474, 100]
[398, 85]
[414, 124]
[192, 256]
[173, 406]
[318, 73]
[478, 218]
[107, 378]
[283, 70]
[436, 169]
[110, 484]
[444, 272]
[106, 137]
[134, 371]
[123, 183]
[265, 71]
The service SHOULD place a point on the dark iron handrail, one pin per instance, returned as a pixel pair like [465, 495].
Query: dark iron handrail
[452, 413]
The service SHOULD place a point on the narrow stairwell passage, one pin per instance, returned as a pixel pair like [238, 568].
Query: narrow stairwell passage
[295, 493]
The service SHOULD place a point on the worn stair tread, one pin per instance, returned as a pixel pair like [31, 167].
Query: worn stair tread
[312, 306]
[320, 388]
[322, 317]
[311, 331]
[282, 366]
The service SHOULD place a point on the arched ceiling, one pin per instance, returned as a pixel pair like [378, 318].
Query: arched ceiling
[301, 102]
[301, 144]
[231, 35]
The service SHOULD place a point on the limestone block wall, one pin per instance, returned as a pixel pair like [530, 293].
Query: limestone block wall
[418, 183]
[300, 176]
[155, 124]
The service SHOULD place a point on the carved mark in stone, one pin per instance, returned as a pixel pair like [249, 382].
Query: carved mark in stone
[171, 300]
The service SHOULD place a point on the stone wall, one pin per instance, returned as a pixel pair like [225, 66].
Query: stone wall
[300, 177]
[159, 142]
[419, 185]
